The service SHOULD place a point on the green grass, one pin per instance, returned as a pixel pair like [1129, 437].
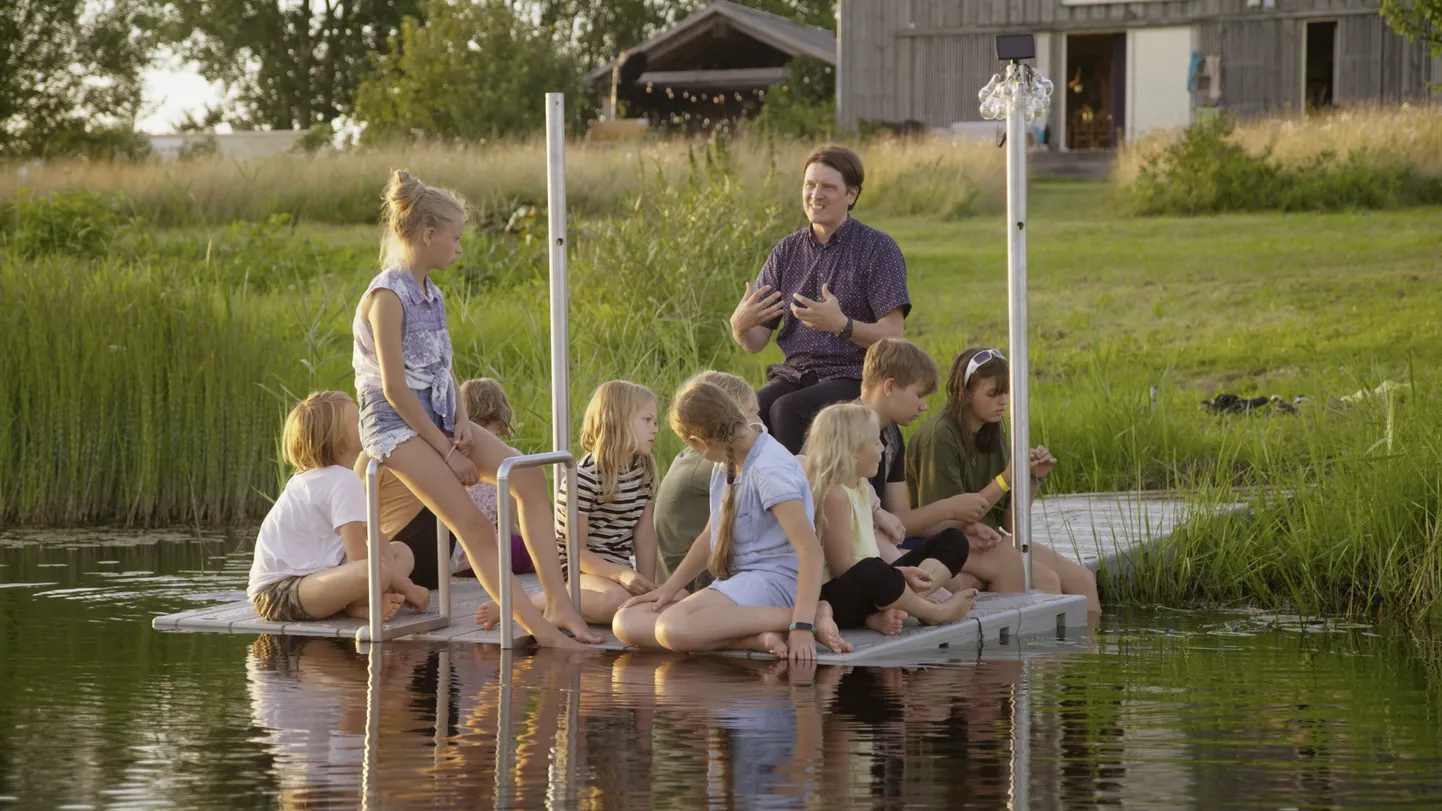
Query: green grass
[222, 327]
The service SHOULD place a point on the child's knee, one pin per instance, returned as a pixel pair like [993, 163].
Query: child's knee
[402, 558]
[1045, 579]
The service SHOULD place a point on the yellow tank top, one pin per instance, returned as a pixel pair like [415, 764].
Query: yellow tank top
[863, 531]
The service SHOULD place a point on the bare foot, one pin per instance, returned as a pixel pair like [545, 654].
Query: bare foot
[391, 602]
[488, 615]
[887, 622]
[772, 643]
[565, 618]
[553, 638]
[939, 596]
[417, 597]
[826, 631]
[956, 608]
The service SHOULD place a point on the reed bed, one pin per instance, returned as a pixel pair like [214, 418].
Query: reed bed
[919, 176]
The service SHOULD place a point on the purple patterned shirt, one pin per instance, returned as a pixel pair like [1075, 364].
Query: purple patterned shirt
[866, 273]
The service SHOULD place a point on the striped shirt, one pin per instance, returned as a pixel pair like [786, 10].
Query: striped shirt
[611, 531]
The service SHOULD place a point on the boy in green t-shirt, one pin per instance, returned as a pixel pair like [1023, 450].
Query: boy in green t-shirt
[896, 378]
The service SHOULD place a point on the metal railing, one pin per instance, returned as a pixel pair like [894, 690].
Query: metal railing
[378, 630]
[503, 530]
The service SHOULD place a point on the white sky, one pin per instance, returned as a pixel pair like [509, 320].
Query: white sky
[171, 91]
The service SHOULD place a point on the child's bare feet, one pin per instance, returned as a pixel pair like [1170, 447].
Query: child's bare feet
[956, 607]
[417, 597]
[826, 631]
[772, 643]
[565, 617]
[887, 622]
[391, 602]
[553, 638]
[488, 615]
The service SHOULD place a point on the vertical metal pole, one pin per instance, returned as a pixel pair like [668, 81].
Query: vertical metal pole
[573, 553]
[1016, 286]
[561, 314]
[443, 567]
[373, 547]
[503, 550]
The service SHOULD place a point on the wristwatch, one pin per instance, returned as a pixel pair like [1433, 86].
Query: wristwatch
[804, 626]
[845, 333]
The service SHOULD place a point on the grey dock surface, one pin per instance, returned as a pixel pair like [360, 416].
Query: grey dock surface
[1101, 530]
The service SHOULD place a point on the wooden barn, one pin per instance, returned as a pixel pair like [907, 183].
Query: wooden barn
[1123, 68]
[713, 66]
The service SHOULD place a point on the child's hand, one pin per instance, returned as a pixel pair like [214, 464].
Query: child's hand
[657, 600]
[1041, 462]
[967, 508]
[461, 465]
[890, 526]
[917, 579]
[463, 437]
[981, 537]
[635, 582]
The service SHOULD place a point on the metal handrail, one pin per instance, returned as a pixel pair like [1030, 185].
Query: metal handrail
[376, 630]
[503, 530]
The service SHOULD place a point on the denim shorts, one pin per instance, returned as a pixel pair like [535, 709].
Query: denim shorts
[382, 429]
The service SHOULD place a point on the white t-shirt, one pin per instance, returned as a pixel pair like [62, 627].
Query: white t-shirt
[301, 534]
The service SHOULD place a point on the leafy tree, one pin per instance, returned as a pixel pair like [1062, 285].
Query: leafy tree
[289, 64]
[471, 71]
[1416, 19]
[804, 105]
[70, 75]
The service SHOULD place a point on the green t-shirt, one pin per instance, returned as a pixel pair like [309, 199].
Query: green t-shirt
[938, 467]
[683, 506]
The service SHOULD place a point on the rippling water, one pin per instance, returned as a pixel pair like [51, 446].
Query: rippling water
[1156, 710]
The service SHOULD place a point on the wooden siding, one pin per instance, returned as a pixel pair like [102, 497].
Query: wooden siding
[925, 60]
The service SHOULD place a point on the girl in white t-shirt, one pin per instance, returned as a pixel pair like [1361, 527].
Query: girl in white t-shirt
[310, 556]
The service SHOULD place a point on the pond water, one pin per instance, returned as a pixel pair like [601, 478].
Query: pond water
[1157, 709]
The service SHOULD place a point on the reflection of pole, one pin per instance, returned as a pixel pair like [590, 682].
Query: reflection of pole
[1021, 739]
[563, 787]
[1016, 287]
[505, 743]
[369, 788]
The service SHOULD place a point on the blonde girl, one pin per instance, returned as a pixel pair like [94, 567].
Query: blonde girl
[843, 450]
[412, 420]
[683, 501]
[310, 555]
[760, 544]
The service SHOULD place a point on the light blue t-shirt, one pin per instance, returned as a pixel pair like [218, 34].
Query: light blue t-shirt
[769, 475]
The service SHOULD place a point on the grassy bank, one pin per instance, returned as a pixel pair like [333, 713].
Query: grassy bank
[147, 384]
[601, 178]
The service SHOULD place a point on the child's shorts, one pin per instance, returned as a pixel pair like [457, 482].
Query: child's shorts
[280, 601]
[757, 589]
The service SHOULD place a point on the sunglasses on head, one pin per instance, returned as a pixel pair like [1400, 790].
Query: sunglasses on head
[979, 360]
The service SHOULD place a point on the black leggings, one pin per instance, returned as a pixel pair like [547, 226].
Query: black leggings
[872, 584]
[787, 408]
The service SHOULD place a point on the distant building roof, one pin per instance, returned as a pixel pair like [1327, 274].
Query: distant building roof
[780, 33]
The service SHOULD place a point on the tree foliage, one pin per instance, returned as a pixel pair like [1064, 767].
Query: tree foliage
[471, 71]
[70, 75]
[1416, 19]
[288, 64]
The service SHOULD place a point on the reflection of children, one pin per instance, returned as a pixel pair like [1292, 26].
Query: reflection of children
[318, 523]
[487, 406]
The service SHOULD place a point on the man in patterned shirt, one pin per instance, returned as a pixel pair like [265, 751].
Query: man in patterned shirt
[833, 288]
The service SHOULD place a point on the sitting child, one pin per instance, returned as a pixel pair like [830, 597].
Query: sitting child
[614, 485]
[843, 450]
[488, 407]
[683, 501]
[310, 556]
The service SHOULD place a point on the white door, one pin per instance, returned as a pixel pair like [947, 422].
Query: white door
[1159, 61]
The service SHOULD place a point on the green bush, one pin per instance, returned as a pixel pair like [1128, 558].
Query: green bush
[1203, 171]
[74, 221]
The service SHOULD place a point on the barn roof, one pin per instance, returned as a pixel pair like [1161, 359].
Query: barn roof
[780, 33]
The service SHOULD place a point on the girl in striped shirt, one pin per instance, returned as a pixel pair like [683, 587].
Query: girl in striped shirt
[615, 483]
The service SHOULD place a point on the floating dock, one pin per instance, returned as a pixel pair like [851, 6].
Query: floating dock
[1101, 530]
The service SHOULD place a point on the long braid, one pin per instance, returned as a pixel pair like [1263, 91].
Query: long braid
[720, 561]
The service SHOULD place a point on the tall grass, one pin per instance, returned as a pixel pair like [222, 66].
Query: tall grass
[1401, 136]
[924, 176]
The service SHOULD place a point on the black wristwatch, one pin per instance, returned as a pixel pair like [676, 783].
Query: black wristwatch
[845, 333]
[803, 626]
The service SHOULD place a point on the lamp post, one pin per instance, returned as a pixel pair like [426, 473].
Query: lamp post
[1019, 95]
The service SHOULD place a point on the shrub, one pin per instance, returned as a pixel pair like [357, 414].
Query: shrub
[72, 221]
